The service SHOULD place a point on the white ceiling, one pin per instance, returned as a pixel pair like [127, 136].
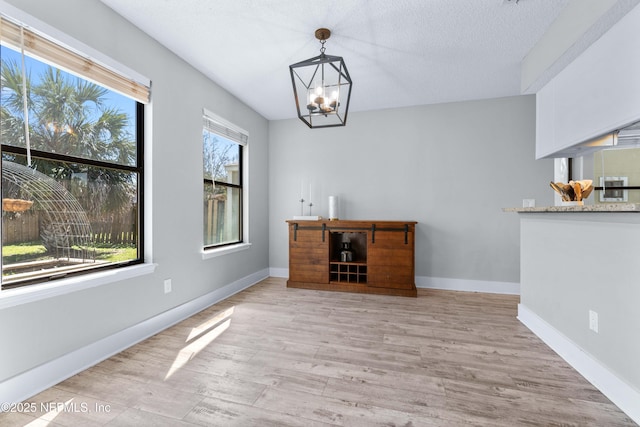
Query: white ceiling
[398, 53]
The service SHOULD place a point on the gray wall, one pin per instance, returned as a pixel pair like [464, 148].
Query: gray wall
[451, 167]
[34, 333]
[573, 263]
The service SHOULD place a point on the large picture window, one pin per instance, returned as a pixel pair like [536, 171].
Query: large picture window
[223, 146]
[72, 161]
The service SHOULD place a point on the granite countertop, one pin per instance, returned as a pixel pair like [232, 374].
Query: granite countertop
[608, 207]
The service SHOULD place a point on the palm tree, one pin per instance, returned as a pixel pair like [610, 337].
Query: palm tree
[69, 116]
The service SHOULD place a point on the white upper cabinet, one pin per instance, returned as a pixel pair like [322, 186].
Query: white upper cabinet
[596, 94]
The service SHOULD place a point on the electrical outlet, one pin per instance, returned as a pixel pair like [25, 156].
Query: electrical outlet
[167, 286]
[593, 321]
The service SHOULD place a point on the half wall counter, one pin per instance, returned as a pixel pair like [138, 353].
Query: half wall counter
[580, 289]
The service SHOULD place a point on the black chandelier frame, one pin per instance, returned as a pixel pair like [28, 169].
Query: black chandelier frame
[318, 113]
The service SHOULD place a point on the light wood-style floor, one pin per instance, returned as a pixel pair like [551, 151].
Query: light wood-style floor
[272, 356]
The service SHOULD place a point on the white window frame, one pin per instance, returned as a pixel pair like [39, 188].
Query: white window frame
[214, 252]
[35, 292]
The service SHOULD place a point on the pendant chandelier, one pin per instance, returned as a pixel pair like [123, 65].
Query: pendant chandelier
[321, 87]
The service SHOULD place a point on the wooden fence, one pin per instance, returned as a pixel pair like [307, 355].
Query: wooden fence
[120, 230]
[20, 228]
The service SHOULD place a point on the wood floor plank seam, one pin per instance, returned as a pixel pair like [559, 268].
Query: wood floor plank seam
[277, 356]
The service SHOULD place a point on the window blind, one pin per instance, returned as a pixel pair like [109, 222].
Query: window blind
[219, 126]
[46, 50]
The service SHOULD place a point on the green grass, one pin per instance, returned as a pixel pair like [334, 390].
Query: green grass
[116, 253]
[23, 252]
[33, 251]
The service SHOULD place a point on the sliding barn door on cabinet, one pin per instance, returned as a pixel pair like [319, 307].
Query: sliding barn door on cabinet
[308, 254]
[391, 258]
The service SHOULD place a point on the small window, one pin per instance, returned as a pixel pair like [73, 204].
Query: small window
[223, 154]
[615, 171]
[613, 189]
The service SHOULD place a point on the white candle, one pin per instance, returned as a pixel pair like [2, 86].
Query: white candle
[333, 207]
[301, 188]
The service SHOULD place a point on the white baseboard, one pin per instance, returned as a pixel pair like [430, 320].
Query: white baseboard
[426, 282]
[467, 285]
[29, 383]
[619, 392]
[279, 272]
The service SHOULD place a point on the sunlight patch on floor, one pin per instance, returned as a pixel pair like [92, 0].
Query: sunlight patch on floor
[55, 409]
[199, 338]
[209, 323]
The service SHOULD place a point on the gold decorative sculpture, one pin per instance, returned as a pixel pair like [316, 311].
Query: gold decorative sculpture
[574, 191]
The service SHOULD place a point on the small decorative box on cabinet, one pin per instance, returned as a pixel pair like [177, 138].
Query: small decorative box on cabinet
[353, 256]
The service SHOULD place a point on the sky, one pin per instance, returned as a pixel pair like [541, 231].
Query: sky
[36, 68]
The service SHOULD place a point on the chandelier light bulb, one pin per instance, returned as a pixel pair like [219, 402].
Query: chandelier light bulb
[334, 103]
[312, 105]
[319, 96]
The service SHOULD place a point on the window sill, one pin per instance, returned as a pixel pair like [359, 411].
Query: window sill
[31, 293]
[212, 253]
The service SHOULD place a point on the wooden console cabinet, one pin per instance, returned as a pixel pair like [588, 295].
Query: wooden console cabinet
[383, 256]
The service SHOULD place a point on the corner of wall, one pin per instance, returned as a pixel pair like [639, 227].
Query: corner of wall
[619, 392]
